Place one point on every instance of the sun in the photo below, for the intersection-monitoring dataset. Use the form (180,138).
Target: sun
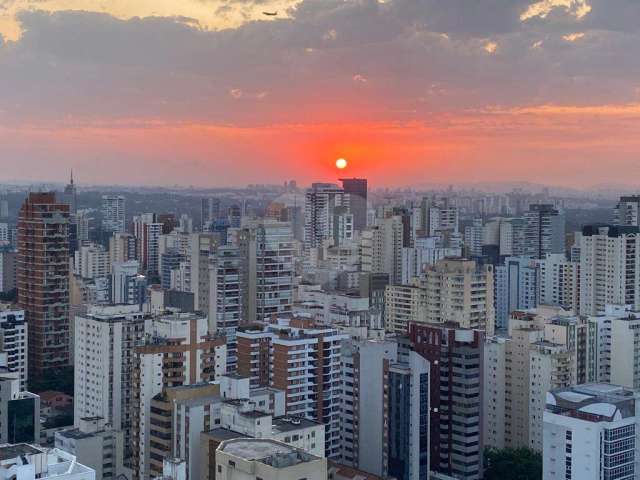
(341,163)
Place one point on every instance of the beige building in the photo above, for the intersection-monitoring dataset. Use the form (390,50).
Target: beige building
(520,369)
(403,304)
(460,291)
(253,459)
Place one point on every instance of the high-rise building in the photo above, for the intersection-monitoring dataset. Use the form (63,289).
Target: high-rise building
(609,268)
(544,230)
(373,286)
(512,236)
(7,270)
(105,338)
(178,415)
(627,211)
(202,247)
(19,411)
(177,351)
(519,370)
(127,284)
(170,260)
(356,188)
(83,220)
(147,231)
(13,341)
(122,248)
(365,413)
(403,304)
(92,261)
(43,280)
(113,214)
(303,360)
(474,238)
(266,247)
(591,432)
(559,282)
(425,251)
(209,211)
(226,309)
(516,287)
(408,432)
(455,356)
(70,195)
(320,202)
(460,292)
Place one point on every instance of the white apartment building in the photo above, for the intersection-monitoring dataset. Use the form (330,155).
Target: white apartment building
(609,268)
(559,282)
(105,338)
(590,433)
(267,250)
(113,213)
(321,202)
(332,307)
(92,261)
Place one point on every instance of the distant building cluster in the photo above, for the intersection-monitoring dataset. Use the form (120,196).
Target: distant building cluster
(330,334)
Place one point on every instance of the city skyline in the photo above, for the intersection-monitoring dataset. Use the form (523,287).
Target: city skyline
(217,93)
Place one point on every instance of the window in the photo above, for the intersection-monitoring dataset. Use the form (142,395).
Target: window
(232,464)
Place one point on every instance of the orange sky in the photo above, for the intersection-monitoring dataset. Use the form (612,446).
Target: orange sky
(411,93)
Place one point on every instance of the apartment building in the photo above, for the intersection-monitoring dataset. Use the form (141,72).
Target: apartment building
(302,359)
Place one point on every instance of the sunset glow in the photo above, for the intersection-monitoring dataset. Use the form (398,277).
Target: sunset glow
(180,91)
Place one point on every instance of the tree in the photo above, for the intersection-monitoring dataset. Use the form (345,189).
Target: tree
(512,464)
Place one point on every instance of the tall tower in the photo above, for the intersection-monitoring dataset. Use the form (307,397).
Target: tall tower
(113,213)
(71,195)
(356,188)
(544,231)
(43,280)
(320,202)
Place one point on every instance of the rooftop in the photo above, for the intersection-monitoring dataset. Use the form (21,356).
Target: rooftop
(595,402)
(269,452)
(8,452)
(289,423)
(222,434)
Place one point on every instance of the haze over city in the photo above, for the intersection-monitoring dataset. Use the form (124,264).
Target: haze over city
(215,92)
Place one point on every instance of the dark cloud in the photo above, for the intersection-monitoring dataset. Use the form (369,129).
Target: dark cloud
(417,56)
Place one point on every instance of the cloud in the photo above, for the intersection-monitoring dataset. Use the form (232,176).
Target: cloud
(572,37)
(490,47)
(425,61)
(542,8)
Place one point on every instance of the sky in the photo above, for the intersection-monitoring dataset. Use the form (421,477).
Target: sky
(410,92)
